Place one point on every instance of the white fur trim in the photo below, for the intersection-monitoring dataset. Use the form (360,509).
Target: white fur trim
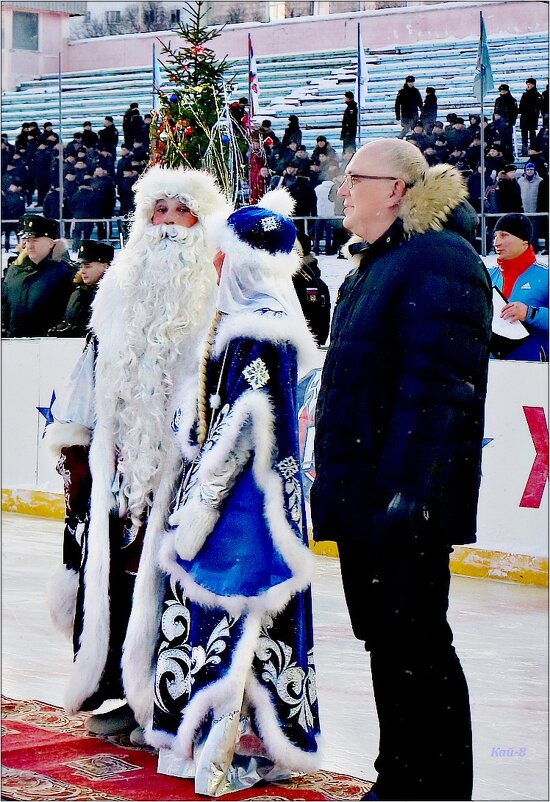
(226,240)
(281,750)
(138,658)
(270,328)
(198,189)
(60,435)
(188,414)
(227,692)
(355,259)
(194,521)
(254,407)
(279,201)
(90,659)
(62,590)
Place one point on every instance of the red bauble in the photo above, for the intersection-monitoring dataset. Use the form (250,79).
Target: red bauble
(188,131)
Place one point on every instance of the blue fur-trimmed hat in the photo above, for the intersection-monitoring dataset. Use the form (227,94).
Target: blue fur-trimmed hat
(263,228)
(263,233)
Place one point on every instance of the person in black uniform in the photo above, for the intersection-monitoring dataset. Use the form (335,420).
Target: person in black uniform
(94,259)
(35,291)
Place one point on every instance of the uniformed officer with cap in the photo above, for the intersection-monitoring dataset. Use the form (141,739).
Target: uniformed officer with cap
(35,290)
(94,258)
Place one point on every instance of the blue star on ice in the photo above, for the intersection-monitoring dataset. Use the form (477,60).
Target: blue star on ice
(47,411)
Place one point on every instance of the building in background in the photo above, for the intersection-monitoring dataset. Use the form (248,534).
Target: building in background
(33,34)
(108,17)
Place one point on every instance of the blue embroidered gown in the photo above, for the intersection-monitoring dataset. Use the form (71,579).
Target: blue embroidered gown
(235,693)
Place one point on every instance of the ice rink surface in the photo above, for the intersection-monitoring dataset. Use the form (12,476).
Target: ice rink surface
(500,634)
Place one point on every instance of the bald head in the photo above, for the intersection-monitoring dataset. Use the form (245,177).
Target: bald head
(380,173)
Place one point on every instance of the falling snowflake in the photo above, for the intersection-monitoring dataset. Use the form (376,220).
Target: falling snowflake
(288,467)
(270,223)
(256,374)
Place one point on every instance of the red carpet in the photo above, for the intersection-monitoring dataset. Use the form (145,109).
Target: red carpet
(47,755)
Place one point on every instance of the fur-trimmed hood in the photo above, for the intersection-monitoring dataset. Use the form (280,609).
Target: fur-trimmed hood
(428,205)
(196,188)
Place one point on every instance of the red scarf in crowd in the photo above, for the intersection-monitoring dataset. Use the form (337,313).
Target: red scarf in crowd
(511,269)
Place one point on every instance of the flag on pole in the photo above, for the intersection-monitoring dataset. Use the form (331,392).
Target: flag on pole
(483,76)
(361,80)
(156,80)
(362,71)
(253,85)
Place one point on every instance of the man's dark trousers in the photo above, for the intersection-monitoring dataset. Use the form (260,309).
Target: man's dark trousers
(397,596)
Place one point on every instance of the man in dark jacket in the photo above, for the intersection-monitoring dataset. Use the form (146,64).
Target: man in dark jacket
(399,428)
(108,136)
(408,105)
(507,192)
(349,125)
(127,127)
(506,105)
(529,108)
(94,258)
(35,292)
(89,137)
(85,205)
(13,207)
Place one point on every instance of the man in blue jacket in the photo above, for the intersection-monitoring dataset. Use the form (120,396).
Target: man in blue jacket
(399,428)
(524,283)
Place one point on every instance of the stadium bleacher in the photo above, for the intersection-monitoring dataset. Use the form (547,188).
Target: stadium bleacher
(310,85)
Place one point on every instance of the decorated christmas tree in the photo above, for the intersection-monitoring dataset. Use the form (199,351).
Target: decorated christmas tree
(193,127)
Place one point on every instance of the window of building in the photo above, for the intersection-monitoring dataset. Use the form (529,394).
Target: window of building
(321,7)
(277,10)
(113,17)
(175,16)
(149,16)
(25,31)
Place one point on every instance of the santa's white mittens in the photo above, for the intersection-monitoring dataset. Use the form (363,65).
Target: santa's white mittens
(194,521)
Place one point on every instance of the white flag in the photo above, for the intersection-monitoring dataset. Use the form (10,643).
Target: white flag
(362,72)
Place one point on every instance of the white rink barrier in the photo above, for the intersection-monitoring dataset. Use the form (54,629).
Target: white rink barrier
(513,509)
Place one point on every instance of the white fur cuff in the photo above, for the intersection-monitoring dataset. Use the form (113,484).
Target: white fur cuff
(195,521)
(62,592)
(61,435)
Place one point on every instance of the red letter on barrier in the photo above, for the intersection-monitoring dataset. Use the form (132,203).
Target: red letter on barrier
(536,421)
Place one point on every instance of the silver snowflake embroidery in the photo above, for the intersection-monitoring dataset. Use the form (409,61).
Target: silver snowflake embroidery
(288,467)
(256,374)
(270,223)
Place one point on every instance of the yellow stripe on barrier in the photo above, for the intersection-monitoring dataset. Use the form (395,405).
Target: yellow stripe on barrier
(465,560)
(469,561)
(33,502)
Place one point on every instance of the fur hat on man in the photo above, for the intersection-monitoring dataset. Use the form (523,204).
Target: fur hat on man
(196,189)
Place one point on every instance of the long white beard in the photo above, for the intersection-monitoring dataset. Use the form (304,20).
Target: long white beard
(168,284)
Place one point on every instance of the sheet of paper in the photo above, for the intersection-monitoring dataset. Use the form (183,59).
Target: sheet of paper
(513,331)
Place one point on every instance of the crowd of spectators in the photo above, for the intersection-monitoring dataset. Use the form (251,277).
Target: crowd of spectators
(97,184)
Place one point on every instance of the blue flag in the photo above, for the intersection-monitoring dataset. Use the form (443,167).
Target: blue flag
(156,80)
(483,76)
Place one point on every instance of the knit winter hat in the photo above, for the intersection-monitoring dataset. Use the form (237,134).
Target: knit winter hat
(261,227)
(530,166)
(516,224)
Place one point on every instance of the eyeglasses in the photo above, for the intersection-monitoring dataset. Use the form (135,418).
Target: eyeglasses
(351,178)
